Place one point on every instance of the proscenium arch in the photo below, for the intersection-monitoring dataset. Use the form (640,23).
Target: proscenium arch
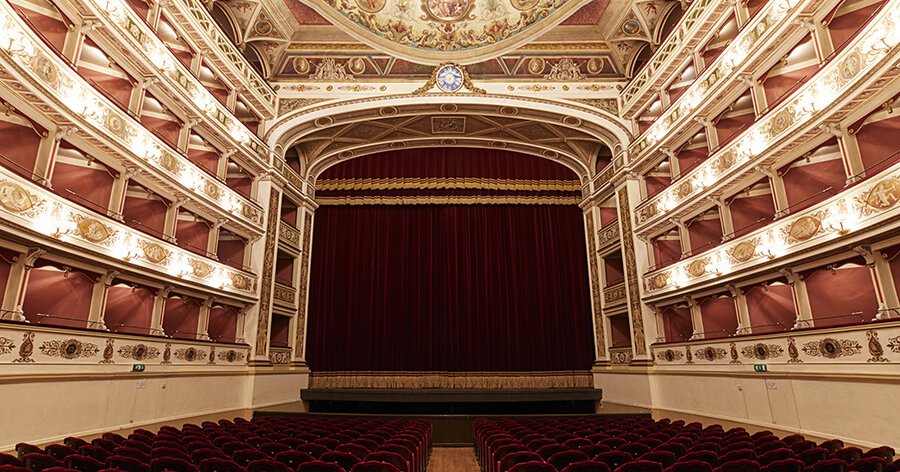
(322,165)
(288,129)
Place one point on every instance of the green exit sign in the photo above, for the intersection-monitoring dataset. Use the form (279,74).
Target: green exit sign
(760,368)
(137,367)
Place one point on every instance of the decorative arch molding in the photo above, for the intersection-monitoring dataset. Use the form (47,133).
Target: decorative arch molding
(599,125)
(570,162)
(424,35)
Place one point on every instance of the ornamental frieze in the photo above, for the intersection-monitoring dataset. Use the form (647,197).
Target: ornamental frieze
(231,356)
(279,356)
(711,353)
(16,199)
(762,351)
(69,349)
(284,293)
(139,352)
(832,348)
(670,355)
(875,349)
(608,234)
(620,356)
(803,228)
(92,230)
(882,196)
(190,354)
(6,345)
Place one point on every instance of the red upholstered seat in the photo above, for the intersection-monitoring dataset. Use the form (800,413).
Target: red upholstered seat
(128,464)
(126,451)
(832,444)
(9,459)
(690,466)
(94,451)
(25,448)
(343,459)
(562,459)
(614,459)
(170,452)
(830,465)
(848,454)
(319,466)
(785,465)
(13,468)
(37,461)
(586,466)
(739,465)
(215,464)
(391,458)
(74,442)
(812,456)
(736,455)
(171,464)
(374,466)
(533,466)
(312,449)
(272,448)
(884,452)
(866,464)
(640,466)
(268,465)
(83,463)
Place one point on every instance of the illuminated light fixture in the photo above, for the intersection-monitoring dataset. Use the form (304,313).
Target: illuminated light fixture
(219,278)
(121,248)
(734,56)
(841,219)
(679,277)
(179,266)
(159,58)
(12,40)
(143,146)
(756,143)
(190,178)
(54,221)
(693,98)
(203,101)
(721,264)
(706,177)
(667,202)
(239,133)
(773,245)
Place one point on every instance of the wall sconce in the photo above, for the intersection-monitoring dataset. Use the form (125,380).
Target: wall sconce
(773,245)
(54,221)
(679,277)
(841,219)
(219,278)
(720,263)
(13,40)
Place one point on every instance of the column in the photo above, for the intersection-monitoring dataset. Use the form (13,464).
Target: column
(696,318)
(46,156)
(262,261)
(212,243)
(743,311)
(635,255)
(136,99)
(184,135)
(306,218)
(600,345)
(17,282)
(203,319)
(880,270)
(172,220)
(724,217)
(159,311)
(851,156)
(117,196)
(801,299)
(779,193)
(98,300)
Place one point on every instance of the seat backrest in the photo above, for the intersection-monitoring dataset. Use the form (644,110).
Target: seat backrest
(640,466)
(586,466)
(739,465)
(171,464)
(514,458)
(785,465)
(215,464)
(561,459)
(533,466)
(37,461)
(83,463)
(343,459)
(614,459)
(267,465)
(319,466)
(690,466)
(374,466)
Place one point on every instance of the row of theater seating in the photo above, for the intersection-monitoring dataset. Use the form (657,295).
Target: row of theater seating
(591,444)
(262,445)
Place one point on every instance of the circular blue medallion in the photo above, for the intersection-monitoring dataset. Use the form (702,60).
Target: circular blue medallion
(449,78)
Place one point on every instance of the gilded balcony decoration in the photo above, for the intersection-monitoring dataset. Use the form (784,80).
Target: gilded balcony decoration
(774,17)
(871,203)
(50,345)
(279,355)
(620,355)
(32,62)
(691,27)
(608,234)
(138,39)
(284,295)
(223,53)
(614,295)
(289,235)
(52,216)
(811,103)
(823,346)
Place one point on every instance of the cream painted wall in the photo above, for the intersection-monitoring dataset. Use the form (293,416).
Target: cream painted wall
(624,387)
(859,410)
(44,409)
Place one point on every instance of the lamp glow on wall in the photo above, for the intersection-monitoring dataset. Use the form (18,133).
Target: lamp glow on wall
(820,93)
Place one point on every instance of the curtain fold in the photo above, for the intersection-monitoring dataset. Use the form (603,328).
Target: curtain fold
(456,288)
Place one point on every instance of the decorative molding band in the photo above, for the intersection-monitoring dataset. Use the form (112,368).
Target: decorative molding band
(614,295)
(125,30)
(632,279)
(33,65)
(691,28)
(303,284)
(37,345)
(268,274)
(449,200)
(838,85)
(278,355)
(432,183)
(608,234)
(767,27)
(869,343)
(204,31)
(289,235)
(620,355)
(27,205)
(284,295)
(596,303)
(870,204)
(460,380)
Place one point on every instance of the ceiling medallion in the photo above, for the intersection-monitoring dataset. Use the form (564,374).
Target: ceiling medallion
(449,78)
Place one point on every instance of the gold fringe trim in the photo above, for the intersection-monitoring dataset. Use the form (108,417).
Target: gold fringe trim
(449,200)
(432,183)
(458,380)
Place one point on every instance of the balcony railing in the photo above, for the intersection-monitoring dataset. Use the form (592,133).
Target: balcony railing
(608,235)
(285,295)
(25,204)
(614,295)
(289,235)
(29,61)
(868,204)
(837,87)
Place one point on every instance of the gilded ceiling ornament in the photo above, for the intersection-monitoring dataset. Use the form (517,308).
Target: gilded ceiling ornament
(804,228)
(329,69)
(688,355)
(832,348)
(851,66)
(631,27)
(301,66)
(116,125)
(449,78)
(565,70)
(523,5)
(239,281)
(167,354)
(595,65)
(212,356)
(762,351)
(14,198)
(536,65)
(211,189)
(356,64)
(92,230)
(169,163)
(781,121)
(69,349)
(371,6)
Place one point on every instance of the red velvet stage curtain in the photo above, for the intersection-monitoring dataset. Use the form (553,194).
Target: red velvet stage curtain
(459,288)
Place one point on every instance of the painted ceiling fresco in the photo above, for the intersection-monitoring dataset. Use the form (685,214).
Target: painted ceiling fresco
(435,31)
